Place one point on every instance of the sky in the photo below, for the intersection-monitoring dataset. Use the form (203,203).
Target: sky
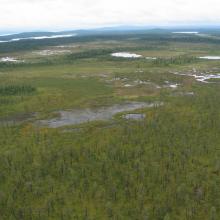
(75,14)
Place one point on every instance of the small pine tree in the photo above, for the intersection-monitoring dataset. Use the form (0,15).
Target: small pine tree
(213,215)
(167,217)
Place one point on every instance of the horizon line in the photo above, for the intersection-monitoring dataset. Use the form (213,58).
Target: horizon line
(123,27)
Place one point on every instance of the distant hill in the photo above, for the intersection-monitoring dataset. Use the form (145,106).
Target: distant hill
(110,30)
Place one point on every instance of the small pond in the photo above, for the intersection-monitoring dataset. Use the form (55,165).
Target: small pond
(79,116)
(134,116)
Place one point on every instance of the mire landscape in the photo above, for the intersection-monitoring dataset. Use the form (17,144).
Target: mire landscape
(116,126)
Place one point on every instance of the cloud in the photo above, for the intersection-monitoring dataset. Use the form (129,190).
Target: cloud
(63,14)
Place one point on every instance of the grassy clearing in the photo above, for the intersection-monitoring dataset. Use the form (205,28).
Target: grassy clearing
(57,93)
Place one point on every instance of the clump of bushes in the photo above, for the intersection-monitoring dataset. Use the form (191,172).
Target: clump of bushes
(175,61)
(16,90)
(89,54)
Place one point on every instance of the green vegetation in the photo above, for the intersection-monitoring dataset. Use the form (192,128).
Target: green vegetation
(164,167)
(16,90)
(175,61)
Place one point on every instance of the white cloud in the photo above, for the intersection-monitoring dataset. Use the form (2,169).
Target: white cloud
(61,14)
